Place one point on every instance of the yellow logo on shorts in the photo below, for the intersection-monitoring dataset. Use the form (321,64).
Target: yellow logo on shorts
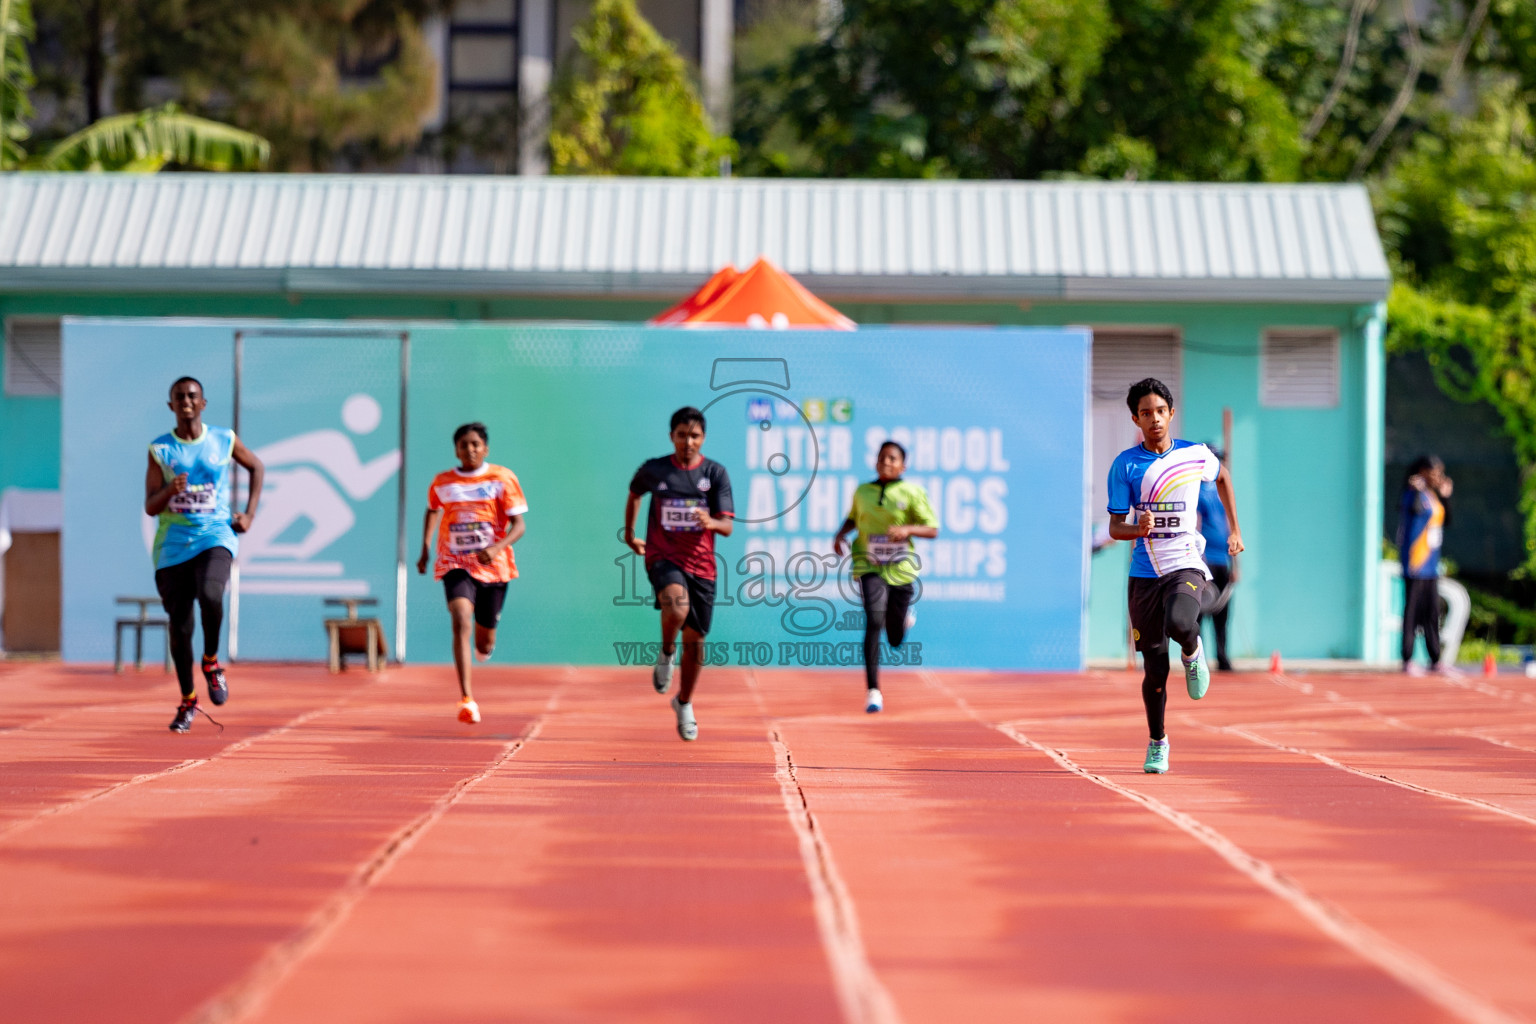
(1190,585)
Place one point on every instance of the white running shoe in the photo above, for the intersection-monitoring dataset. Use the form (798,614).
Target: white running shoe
(661,672)
(911,619)
(484,657)
(687,725)
(469,712)
(874,700)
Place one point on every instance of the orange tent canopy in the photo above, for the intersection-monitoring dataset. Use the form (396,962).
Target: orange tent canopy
(761,296)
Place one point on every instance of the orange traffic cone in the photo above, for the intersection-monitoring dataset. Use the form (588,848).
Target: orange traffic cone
(1490,667)
(1274,663)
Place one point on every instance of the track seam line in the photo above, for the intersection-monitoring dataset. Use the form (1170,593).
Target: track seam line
(23,824)
(1408,968)
(1370,711)
(1374,776)
(117,705)
(250,995)
(862,997)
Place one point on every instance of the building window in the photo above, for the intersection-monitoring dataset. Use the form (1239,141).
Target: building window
(482,49)
(1121,357)
(1299,368)
(32,364)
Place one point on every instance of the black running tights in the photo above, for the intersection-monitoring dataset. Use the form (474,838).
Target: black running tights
(1154,690)
(1421,610)
(1181,622)
(200,581)
(885,609)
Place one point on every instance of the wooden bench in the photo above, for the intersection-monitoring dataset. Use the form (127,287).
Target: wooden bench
(353,635)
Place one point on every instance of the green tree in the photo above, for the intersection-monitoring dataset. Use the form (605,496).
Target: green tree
(624,103)
(144,141)
(773,30)
(149,140)
(1458,213)
(1029,88)
(329,82)
(15,80)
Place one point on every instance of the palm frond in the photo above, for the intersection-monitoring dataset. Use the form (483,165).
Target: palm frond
(147,140)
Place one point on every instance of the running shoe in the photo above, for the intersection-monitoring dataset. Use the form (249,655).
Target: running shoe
(874,700)
(687,726)
(1157,757)
(909,621)
(213,675)
(1414,669)
(486,656)
(469,712)
(184,712)
(661,672)
(1197,674)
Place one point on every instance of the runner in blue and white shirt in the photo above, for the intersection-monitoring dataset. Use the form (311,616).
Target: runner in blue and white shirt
(1160,480)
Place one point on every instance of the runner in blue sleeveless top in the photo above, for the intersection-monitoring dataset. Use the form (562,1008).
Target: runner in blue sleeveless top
(187,488)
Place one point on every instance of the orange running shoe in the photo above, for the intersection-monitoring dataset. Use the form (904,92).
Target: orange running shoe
(469,712)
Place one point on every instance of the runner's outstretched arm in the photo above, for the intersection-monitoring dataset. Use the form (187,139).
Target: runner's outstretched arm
(1229,502)
(1119,529)
(631,508)
(842,535)
(723,525)
(241,521)
(158,491)
(428,531)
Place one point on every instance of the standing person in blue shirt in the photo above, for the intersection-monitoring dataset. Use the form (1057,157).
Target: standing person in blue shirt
(187,487)
(1421,518)
(1223,566)
(1160,479)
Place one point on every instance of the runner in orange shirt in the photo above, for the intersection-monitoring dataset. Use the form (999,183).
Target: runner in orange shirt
(483,506)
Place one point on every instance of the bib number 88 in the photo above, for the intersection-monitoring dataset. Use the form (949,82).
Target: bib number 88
(1165,522)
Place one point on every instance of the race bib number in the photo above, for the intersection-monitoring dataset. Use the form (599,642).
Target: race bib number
(198,500)
(1169,519)
(677,515)
(466,537)
(883,551)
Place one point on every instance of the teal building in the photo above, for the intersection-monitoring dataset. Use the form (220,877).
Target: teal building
(1262,306)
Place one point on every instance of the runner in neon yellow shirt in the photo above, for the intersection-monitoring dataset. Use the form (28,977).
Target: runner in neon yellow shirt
(887,513)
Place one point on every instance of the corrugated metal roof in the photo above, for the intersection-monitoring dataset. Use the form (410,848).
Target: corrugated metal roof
(646,236)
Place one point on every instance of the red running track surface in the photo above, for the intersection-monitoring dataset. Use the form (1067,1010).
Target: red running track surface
(1332,848)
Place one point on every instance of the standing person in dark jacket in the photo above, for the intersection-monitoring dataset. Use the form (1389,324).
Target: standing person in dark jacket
(1421,520)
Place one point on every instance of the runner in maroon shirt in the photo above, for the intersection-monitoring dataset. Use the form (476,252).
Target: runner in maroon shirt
(690,503)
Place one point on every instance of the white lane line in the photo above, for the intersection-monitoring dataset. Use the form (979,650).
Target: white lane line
(1369,710)
(1262,741)
(1409,969)
(1475,735)
(863,997)
(249,995)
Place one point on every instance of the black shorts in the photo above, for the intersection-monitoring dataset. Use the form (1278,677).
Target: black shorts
(1148,599)
(701,593)
(486,597)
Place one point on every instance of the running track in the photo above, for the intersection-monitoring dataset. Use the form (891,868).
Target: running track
(1335,848)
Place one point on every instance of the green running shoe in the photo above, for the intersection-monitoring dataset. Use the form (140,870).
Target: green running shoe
(1197,674)
(1157,757)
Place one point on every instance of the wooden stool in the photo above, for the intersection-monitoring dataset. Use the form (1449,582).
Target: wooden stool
(139,625)
(353,635)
